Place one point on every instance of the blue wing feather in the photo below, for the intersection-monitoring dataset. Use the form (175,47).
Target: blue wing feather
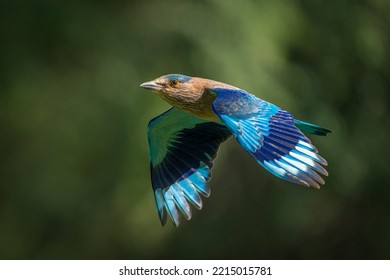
(270,136)
(182,149)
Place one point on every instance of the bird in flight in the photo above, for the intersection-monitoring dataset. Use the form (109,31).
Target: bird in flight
(184,140)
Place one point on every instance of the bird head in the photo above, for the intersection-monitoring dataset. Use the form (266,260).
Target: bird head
(178,90)
(190,94)
(168,83)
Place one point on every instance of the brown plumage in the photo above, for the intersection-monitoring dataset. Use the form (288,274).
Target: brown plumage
(192,96)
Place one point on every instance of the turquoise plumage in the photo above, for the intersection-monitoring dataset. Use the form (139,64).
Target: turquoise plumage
(184,140)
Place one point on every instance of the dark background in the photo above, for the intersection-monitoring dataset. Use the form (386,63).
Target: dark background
(74,171)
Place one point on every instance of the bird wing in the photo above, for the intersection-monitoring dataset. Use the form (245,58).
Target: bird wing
(182,149)
(269,135)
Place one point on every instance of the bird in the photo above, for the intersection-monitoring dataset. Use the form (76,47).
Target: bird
(184,140)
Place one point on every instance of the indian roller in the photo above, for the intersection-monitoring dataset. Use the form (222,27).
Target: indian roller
(184,140)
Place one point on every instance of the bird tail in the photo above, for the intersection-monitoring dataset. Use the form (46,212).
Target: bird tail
(311,128)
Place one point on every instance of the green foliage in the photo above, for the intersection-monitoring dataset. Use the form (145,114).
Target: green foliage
(74,174)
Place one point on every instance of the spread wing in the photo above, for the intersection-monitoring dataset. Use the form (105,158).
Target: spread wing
(182,150)
(269,135)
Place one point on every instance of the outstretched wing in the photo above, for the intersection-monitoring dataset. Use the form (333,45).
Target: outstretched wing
(269,135)
(182,150)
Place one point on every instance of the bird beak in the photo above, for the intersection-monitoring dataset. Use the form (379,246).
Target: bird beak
(152,85)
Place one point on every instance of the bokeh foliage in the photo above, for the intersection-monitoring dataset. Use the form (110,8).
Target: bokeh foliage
(74,171)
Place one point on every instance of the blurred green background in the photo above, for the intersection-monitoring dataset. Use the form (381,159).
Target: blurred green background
(74,174)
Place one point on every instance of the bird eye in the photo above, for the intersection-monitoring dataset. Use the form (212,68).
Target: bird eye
(174,83)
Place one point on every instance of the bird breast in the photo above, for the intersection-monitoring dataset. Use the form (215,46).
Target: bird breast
(196,102)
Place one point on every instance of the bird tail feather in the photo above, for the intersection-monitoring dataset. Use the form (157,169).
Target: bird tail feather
(311,128)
